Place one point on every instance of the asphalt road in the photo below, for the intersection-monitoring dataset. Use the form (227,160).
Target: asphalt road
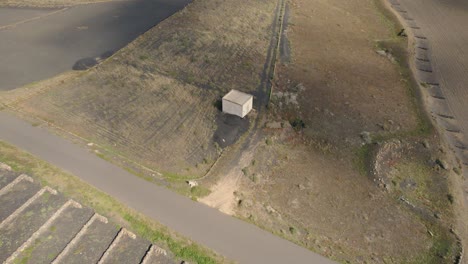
(53,43)
(445,24)
(441,57)
(233,238)
(10,16)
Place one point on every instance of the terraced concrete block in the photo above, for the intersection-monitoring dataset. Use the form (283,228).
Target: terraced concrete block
(16,196)
(93,244)
(441,108)
(157,255)
(457,141)
(427,78)
(419,34)
(448,124)
(422,55)
(127,250)
(411,23)
(24,225)
(422,44)
(423,66)
(6,177)
(463,155)
(435,91)
(50,243)
(399,9)
(407,17)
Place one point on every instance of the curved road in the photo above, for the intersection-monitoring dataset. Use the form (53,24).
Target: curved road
(231,237)
(37,44)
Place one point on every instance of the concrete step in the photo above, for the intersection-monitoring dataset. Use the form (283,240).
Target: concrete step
(91,243)
(48,245)
(26,220)
(126,248)
(6,177)
(15,194)
(38,225)
(157,255)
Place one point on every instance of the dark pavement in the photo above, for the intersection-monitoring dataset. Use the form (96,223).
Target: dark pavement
(46,46)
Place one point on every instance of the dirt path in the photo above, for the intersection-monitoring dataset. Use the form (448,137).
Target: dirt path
(222,196)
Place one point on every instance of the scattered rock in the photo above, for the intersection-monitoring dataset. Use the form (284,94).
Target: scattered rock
(192,183)
(270,209)
(381,52)
(90,144)
(301,187)
(425,143)
(274,125)
(387,54)
(3,166)
(443,164)
(299,88)
(85,64)
(366,137)
(365,217)
(402,33)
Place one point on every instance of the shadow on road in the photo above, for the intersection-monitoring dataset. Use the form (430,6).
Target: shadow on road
(56,43)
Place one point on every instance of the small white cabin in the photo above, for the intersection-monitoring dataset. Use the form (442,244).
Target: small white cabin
(237,103)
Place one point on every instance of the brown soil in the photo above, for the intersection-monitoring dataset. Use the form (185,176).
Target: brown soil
(155,101)
(320,183)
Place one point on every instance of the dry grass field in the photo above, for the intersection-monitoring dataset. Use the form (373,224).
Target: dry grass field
(156,100)
(344,162)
